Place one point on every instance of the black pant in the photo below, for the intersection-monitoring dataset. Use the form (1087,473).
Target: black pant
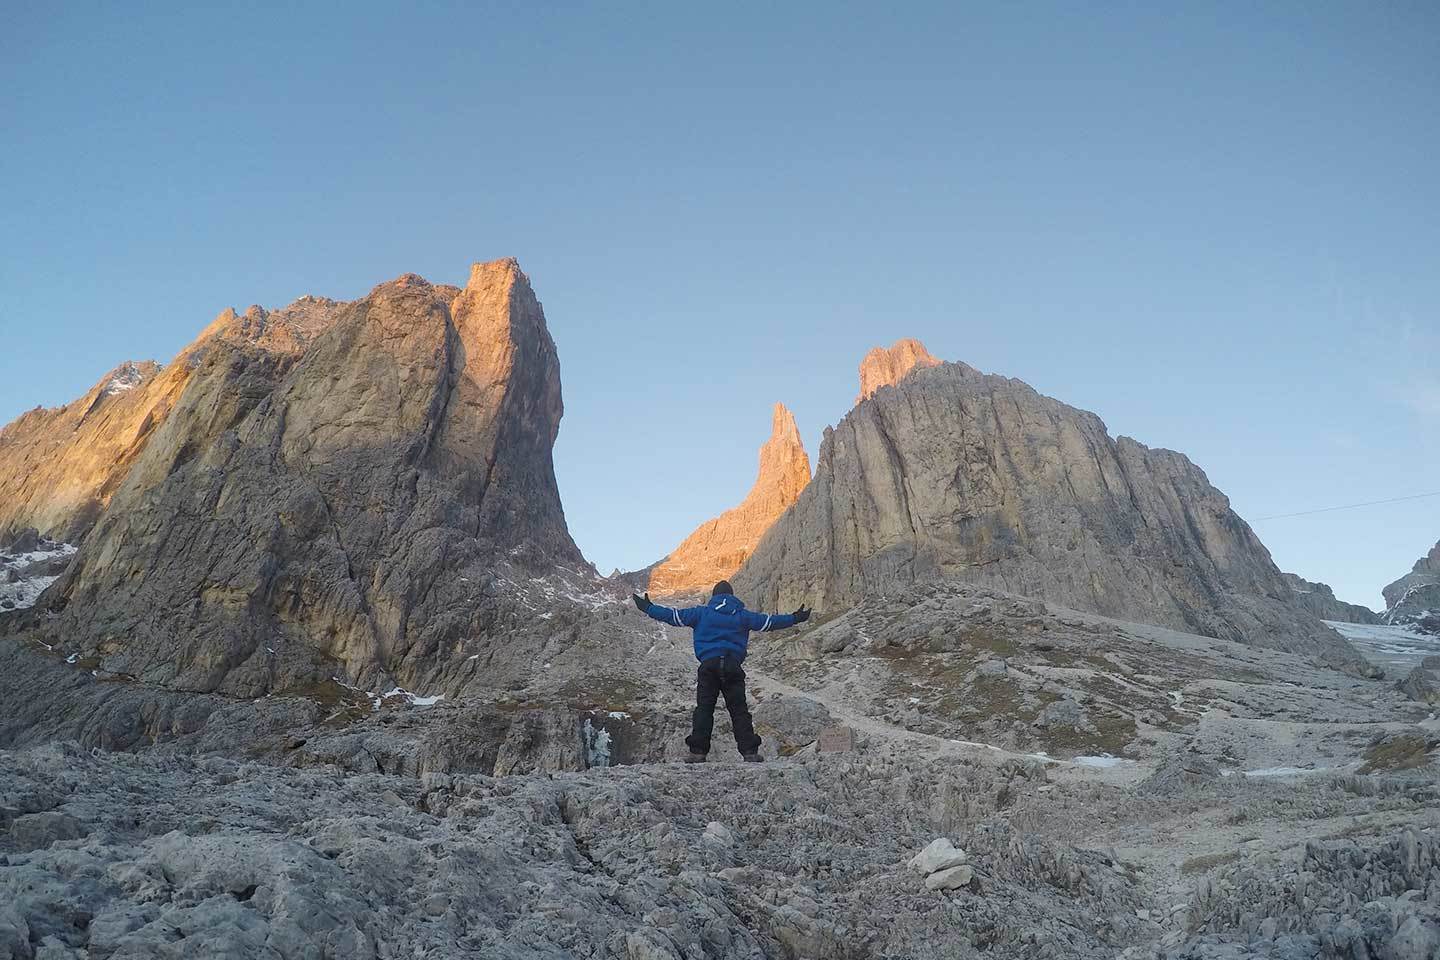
(716,676)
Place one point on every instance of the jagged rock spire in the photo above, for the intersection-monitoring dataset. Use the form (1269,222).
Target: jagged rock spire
(886,366)
(718,547)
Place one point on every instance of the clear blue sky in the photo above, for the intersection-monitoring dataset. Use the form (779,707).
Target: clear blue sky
(1217,226)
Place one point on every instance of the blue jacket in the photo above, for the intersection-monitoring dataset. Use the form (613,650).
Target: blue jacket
(721,626)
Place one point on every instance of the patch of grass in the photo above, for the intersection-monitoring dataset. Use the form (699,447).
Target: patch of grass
(1402,752)
(1208,862)
(342,705)
(602,693)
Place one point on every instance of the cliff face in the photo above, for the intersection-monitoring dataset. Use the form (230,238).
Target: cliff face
(60,468)
(887,366)
(350,509)
(1414,599)
(1319,599)
(718,547)
(956,475)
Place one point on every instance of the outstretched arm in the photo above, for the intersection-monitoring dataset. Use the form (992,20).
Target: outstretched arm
(765,622)
(676,617)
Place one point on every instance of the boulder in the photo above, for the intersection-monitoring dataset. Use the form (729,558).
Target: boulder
(951,879)
(940,854)
(37,831)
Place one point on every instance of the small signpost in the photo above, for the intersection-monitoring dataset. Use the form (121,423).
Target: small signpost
(836,739)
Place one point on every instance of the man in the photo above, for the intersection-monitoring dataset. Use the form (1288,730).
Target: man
(722,635)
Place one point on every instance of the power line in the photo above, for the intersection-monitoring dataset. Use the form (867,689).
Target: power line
(1348,506)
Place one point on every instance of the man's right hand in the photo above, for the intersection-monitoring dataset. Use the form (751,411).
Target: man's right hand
(802,614)
(642,602)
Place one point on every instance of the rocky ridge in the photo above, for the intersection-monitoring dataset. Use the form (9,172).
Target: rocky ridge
(1320,600)
(365,508)
(60,468)
(1414,599)
(887,366)
(958,475)
(717,548)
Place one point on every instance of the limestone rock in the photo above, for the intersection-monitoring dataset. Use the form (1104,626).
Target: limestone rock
(1414,599)
(886,366)
(939,854)
(1319,599)
(60,468)
(352,511)
(952,474)
(716,549)
(1062,714)
(1422,684)
(37,831)
(951,879)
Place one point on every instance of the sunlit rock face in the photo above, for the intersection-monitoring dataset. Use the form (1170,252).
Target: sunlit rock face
(357,495)
(59,468)
(952,474)
(886,366)
(718,547)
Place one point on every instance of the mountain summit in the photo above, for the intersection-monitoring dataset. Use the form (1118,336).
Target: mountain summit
(1414,599)
(347,510)
(717,548)
(952,474)
(886,366)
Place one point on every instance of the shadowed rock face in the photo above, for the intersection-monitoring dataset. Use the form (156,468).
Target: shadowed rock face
(350,509)
(1319,599)
(886,366)
(717,548)
(60,468)
(953,474)
(1414,599)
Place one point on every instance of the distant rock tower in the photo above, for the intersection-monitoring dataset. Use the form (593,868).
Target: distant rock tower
(718,547)
(886,366)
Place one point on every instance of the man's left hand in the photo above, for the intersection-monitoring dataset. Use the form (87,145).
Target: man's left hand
(802,614)
(642,602)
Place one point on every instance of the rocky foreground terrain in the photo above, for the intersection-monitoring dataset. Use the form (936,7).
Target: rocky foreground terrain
(300,661)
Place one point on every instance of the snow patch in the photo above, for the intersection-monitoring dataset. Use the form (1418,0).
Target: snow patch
(27,586)
(1102,761)
(415,700)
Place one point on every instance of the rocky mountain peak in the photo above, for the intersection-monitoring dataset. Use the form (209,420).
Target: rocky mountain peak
(1320,599)
(784,465)
(967,477)
(127,376)
(335,489)
(1414,599)
(886,366)
(718,547)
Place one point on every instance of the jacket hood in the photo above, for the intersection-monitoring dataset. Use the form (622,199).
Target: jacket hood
(726,603)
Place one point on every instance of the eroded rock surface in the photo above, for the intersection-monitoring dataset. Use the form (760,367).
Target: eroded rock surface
(1414,599)
(717,548)
(957,475)
(887,366)
(1318,599)
(361,509)
(60,468)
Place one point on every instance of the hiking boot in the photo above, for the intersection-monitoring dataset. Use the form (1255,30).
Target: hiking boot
(752,758)
(695,758)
